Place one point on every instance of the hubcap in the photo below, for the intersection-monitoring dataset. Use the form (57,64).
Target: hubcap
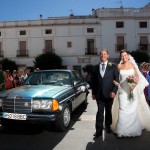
(66,117)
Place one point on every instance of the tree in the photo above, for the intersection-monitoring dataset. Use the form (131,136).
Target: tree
(9,64)
(88,68)
(140,56)
(48,61)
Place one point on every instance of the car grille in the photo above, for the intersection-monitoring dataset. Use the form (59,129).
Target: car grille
(17,105)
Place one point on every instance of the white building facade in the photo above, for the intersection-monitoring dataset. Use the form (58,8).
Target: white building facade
(77,39)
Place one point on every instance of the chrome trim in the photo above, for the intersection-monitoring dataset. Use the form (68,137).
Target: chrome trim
(67,98)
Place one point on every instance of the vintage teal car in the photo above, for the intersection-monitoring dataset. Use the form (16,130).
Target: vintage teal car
(46,96)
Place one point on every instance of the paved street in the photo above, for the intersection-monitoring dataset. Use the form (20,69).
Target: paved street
(79,136)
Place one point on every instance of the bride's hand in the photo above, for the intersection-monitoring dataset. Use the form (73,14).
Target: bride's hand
(116,83)
(132,88)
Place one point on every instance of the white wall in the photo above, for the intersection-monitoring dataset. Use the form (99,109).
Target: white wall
(73,30)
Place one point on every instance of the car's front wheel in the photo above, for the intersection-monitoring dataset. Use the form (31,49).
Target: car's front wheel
(63,122)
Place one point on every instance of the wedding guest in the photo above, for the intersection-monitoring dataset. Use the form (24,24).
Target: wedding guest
(21,77)
(24,75)
(2,79)
(9,80)
(148,88)
(145,72)
(16,78)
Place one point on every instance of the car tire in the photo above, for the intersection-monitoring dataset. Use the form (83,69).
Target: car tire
(63,122)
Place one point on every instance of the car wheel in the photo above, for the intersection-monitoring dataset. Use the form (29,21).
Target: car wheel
(63,122)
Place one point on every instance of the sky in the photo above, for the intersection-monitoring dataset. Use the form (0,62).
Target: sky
(17,10)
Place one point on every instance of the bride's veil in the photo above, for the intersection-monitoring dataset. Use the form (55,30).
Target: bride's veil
(142,81)
(143,108)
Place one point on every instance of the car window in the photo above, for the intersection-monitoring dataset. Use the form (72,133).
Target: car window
(50,77)
(75,77)
(79,76)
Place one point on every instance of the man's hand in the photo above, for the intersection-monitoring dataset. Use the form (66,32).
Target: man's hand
(112,94)
(116,83)
(93,97)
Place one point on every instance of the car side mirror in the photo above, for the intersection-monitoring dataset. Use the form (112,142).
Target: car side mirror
(75,82)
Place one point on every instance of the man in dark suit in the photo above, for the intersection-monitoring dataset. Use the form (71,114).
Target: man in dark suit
(104,91)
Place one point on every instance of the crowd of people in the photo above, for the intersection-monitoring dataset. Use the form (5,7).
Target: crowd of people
(12,79)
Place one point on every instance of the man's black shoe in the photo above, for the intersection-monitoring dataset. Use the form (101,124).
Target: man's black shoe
(98,135)
(108,130)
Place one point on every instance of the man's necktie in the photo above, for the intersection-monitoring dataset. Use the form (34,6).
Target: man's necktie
(103,67)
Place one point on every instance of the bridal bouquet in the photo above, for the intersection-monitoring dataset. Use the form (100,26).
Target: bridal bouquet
(132,81)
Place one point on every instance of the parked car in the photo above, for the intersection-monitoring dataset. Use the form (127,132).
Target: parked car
(46,96)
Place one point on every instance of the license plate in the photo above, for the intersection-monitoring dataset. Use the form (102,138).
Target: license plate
(14,116)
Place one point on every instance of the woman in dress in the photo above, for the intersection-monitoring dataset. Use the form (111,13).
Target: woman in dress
(9,80)
(131,113)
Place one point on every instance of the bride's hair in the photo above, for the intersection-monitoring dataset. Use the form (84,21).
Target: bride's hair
(124,51)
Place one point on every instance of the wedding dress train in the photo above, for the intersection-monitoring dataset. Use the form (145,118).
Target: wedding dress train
(130,116)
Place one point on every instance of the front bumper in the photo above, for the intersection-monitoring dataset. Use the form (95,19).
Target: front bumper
(36,117)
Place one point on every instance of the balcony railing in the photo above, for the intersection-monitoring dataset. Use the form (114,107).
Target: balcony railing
(48,51)
(90,51)
(1,54)
(22,53)
(119,47)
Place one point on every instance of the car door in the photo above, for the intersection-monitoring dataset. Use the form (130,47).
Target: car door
(79,87)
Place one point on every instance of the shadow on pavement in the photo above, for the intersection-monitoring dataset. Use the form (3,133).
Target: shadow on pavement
(111,142)
(34,137)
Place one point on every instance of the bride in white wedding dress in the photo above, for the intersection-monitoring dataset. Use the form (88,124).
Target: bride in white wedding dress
(130,115)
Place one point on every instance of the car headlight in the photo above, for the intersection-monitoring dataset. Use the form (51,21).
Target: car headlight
(47,105)
(41,104)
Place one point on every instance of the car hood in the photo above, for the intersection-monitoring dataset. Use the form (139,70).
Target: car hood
(32,91)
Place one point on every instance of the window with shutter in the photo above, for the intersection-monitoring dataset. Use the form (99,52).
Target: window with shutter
(120,43)
(143,45)
(48,46)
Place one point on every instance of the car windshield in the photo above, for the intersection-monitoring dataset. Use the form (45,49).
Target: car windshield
(49,77)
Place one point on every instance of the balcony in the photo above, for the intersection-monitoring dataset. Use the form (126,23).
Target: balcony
(1,53)
(90,51)
(48,51)
(119,47)
(22,53)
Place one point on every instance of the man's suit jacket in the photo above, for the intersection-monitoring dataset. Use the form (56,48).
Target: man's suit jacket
(103,86)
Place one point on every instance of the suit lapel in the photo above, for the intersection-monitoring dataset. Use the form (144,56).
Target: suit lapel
(98,70)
